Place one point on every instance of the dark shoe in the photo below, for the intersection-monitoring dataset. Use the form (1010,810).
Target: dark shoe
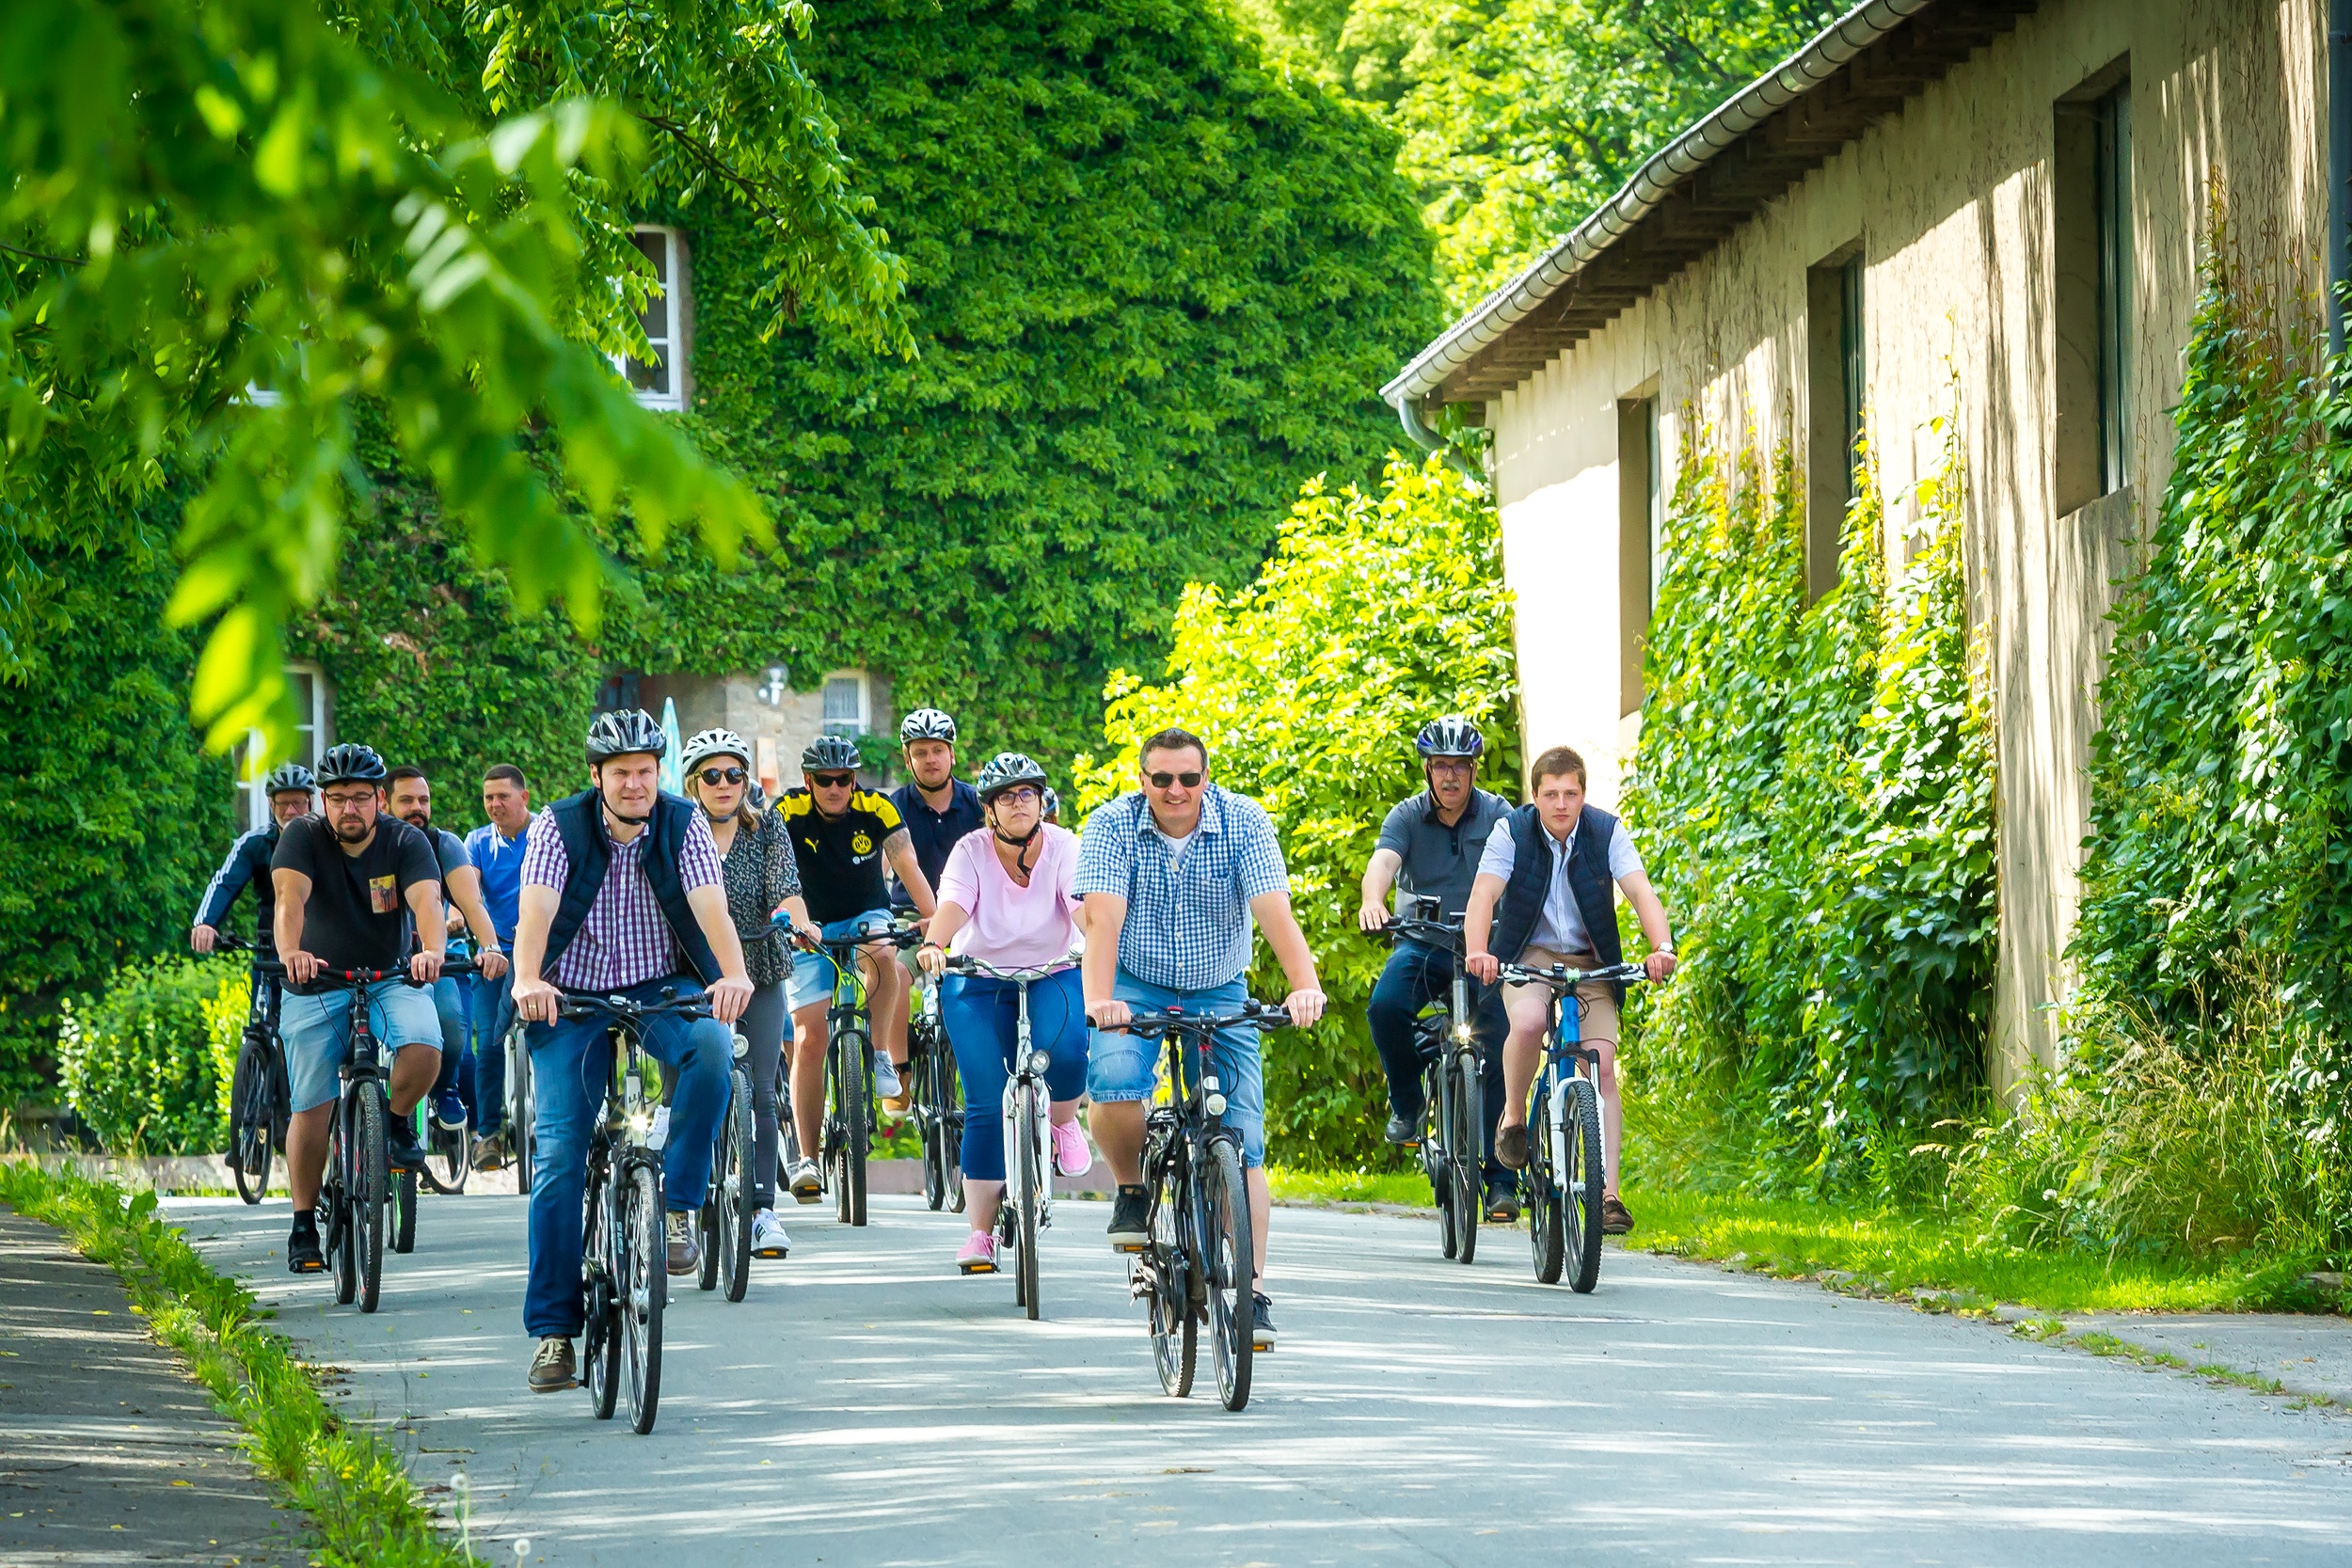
(552,1369)
(302,1246)
(1131,1215)
(489,1151)
(448,1109)
(1615,1218)
(401,1151)
(1511,1147)
(1502,1203)
(686,1254)
(1262,1334)
(1404,1133)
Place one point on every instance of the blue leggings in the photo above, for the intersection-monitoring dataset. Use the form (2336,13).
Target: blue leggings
(982,1016)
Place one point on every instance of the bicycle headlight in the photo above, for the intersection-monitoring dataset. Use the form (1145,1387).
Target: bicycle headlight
(1215,1104)
(640,1124)
(1462,1032)
(1039,1062)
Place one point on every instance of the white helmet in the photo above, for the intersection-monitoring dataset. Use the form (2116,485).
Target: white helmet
(925,723)
(713,743)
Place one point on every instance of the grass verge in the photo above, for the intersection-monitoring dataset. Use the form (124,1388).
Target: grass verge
(1408,1189)
(351,1483)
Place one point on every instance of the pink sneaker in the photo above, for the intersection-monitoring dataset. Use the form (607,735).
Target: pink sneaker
(1071,1157)
(979,1253)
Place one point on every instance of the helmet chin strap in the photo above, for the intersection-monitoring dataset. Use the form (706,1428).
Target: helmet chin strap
(1021,843)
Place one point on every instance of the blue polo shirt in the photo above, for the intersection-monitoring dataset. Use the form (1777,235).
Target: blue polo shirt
(934,833)
(499,860)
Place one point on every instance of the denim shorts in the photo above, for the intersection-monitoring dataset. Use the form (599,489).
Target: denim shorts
(812,973)
(1124,1067)
(316,1032)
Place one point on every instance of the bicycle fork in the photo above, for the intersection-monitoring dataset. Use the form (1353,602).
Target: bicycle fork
(1030,1066)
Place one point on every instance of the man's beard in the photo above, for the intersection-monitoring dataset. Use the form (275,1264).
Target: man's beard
(352,835)
(422,822)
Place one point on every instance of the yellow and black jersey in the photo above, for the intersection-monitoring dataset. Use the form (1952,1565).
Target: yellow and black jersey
(842,872)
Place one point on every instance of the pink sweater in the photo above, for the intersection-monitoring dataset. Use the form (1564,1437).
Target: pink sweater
(1013,927)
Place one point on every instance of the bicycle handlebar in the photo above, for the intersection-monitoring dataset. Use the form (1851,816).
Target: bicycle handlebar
(589,1003)
(962,963)
(1560,977)
(1437,933)
(350,979)
(1175,1020)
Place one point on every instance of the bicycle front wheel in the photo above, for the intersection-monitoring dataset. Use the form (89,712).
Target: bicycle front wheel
(1032,1199)
(1540,1188)
(600,1338)
(1230,1273)
(371,1180)
(520,1108)
(1583,1176)
(851,1061)
(1463,1150)
(1175,1328)
(733,1177)
(403,1204)
(644,1291)
(334,1210)
(249,1107)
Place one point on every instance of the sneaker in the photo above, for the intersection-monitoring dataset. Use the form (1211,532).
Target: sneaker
(1262,1334)
(1131,1214)
(448,1109)
(1615,1218)
(806,1181)
(1404,1133)
(552,1369)
(1502,1202)
(686,1255)
(401,1151)
(979,1253)
(302,1246)
(1071,1157)
(768,1237)
(886,1083)
(489,1151)
(1511,1147)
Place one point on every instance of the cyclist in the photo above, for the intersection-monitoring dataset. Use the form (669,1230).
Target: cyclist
(1435,839)
(288,787)
(1172,876)
(461,886)
(496,849)
(1053,809)
(1006,899)
(842,836)
(1541,897)
(762,875)
(622,893)
(352,886)
(938,809)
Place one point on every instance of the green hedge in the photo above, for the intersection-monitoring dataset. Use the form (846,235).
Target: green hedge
(146,1065)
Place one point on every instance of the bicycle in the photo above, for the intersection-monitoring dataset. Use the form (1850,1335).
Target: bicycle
(1451,1142)
(260,1102)
(450,1147)
(1566,1172)
(1027,1109)
(938,1105)
(849,1128)
(727,1211)
(624,1259)
(1199,1258)
(520,1116)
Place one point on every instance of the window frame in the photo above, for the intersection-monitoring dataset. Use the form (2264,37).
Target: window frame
(673,302)
(257,803)
(864,685)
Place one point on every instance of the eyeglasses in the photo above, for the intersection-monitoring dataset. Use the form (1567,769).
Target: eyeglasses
(832,781)
(1017,795)
(723,775)
(1191,779)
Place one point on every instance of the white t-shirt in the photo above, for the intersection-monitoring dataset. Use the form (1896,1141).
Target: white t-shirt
(1560,925)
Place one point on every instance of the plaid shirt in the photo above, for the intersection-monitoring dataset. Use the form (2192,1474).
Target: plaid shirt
(1187,922)
(624,940)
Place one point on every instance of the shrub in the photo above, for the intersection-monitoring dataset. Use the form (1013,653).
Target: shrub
(147,1064)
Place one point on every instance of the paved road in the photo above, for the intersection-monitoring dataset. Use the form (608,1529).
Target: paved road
(866,1406)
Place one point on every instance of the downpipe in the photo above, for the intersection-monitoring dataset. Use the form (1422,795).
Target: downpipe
(2338,168)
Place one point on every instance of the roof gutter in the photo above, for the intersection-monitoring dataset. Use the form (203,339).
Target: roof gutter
(1828,52)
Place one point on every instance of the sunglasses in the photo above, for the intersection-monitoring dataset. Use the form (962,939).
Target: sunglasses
(1191,779)
(723,775)
(832,781)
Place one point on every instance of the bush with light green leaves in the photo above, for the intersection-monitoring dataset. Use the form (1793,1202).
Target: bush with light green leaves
(146,1064)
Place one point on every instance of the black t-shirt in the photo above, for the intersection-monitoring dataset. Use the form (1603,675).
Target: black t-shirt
(841,861)
(356,916)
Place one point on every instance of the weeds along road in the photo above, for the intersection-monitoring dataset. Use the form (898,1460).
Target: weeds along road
(867,1405)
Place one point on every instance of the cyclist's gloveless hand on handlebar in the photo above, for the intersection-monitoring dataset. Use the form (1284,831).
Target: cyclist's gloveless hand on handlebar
(1373,916)
(491,964)
(424,967)
(302,968)
(728,996)
(534,1000)
(932,960)
(1483,967)
(1109,1013)
(1304,1007)
(1658,964)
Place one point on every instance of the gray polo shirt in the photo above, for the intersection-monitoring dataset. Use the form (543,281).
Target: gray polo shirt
(1440,862)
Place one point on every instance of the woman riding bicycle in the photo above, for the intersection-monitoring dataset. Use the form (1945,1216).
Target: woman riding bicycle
(1005,899)
(762,875)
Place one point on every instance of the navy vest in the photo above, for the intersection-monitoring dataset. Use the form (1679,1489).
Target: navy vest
(589,846)
(1523,895)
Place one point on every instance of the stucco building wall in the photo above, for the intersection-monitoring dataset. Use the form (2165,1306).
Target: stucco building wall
(1951,201)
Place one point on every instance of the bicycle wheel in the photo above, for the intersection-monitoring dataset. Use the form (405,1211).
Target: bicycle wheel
(1230,1273)
(851,1061)
(521,1118)
(600,1327)
(370,1189)
(924,1049)
(644,1289)
(335,1210)
(1032,1199)
(1175,1331)
(733,1181)
(1462,1145)
(250,1103)
(1583,1176)
(1538,1185)
(403,1211)
(1435,1162)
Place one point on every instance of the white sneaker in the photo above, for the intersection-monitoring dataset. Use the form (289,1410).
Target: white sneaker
(807,1182)
(885,1076)
(768,1237)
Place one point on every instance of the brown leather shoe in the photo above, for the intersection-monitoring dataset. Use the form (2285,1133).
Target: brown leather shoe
(686,1254)
(1615,1218)
(552,1369)
(1511,1147)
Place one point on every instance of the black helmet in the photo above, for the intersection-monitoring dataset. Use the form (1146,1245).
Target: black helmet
(1449,737)
(349,763)
(830,753)
(624,731)
(925,723)
(287,777)
(1006,769)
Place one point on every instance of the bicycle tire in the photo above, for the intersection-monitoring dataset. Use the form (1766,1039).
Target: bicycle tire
(1435,1164)
(645,1292)
(1032,1197)
(1580,1210)
(334,1220)
(1175,1331)
(600,1359)
(1230,1258)
(251,1108)
(924,1049)
(370,1183)
(1542,1195)
(403,1211)
(852,1059)
(451,1147)
(522,1119)
(1464,1152)
(736,1208)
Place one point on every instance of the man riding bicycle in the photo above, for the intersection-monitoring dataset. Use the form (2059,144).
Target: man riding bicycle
(842,836)
(496,849)
(1435,839)
(288,787)
(622,895)
(938,810)
(1172,874)
(353,885)
(461,887)
(1542,897)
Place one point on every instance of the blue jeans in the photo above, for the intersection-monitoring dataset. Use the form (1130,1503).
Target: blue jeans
(1415,976)
(571,1064)
(983,1019)
(493,1015)
(449,1003)
(1124,1067)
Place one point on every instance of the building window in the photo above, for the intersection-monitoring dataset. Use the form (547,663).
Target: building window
(1838,374)
(1641,535)
(2092,238)
(307,685)
(660,382)
(848,702)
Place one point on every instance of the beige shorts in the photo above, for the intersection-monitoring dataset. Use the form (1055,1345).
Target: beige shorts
(1530,1006)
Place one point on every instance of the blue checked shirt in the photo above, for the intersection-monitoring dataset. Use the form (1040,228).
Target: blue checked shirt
(1187,922)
